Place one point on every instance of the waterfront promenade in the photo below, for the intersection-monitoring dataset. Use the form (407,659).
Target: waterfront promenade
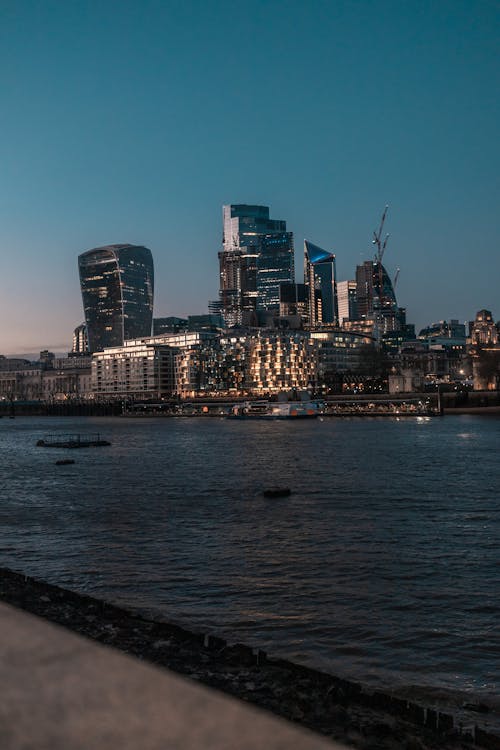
(61,690)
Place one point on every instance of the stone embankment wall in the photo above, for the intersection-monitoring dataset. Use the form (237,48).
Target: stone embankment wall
(338,708)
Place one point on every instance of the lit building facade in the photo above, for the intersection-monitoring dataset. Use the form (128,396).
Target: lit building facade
(279,361)
(340,351)
(483,331)
(346,301)
(61,379)
(80,340)
(485,352)
(320,280)
(256,257)
(136,370)
(117,284)
(444,330)
(234,363)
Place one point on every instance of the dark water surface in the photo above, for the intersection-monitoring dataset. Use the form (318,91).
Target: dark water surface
(383,565)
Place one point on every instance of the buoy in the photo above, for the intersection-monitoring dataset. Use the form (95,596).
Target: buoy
(278,492)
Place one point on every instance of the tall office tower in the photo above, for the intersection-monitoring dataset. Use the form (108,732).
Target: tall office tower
(320,279)
(256,257)
(80,342)
(346,300)
(293,300)
(275,266)
(117,283)
(376,298)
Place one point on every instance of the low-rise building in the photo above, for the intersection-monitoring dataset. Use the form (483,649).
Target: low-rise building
(51,378)
(485,352)
(237,362)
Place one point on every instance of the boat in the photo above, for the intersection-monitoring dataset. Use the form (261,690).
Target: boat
(275,410)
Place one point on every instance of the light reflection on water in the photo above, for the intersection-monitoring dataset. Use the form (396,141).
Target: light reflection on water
(383,565)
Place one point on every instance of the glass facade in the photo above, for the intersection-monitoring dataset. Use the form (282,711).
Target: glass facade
(257,255)
(320,278)
(293,300)
(117,283)
(374,290)
(376,299)
(275,266)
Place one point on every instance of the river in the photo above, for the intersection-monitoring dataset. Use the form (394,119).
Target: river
(383,565)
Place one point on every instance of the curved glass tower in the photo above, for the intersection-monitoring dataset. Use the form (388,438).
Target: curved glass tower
(117,283)
(374,288)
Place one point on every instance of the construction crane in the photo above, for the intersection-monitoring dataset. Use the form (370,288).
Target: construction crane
(377,238)
(380,245)
(396,277)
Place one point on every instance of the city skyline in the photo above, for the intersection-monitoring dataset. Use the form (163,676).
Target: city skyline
(114,131)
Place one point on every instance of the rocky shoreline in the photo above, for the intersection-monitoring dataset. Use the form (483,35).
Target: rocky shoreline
(337,708)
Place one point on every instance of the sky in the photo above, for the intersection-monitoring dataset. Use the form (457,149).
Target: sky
(136,120)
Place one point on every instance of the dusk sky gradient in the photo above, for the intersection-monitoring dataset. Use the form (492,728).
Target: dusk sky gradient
(135,121)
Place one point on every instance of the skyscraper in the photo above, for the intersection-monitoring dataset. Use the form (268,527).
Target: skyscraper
(293,300)
(346,300)
(376,298)
(117,283)
(320,279)
(256,257)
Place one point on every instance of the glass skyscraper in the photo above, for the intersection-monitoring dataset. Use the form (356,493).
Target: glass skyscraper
(117,283)
(374,290)
(256,257)
(320,279)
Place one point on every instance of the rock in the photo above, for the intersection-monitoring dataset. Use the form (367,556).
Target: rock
(413,743)
(480,708)
(160,644)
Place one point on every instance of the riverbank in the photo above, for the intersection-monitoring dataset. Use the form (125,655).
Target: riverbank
(361,404)
(337,708)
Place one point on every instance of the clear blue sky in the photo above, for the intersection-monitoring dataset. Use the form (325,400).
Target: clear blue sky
(134,121)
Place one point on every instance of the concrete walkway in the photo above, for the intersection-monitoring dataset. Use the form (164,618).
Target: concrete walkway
(59,691)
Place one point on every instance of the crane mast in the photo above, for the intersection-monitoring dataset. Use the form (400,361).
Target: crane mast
(381,246)
(377,238)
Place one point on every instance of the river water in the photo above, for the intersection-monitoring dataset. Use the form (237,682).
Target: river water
(383,565)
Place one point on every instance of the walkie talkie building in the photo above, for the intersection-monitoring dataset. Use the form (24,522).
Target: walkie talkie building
(117,283)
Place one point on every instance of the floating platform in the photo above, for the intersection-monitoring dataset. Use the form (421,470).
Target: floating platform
(72,441)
